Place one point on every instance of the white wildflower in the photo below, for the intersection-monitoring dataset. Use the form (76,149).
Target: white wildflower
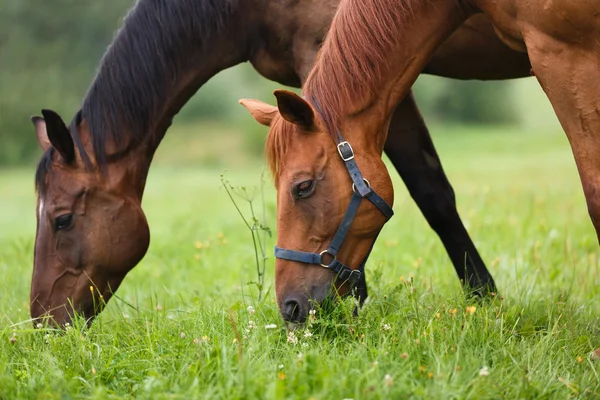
(182,335)
(251,310)
(280,366)
(39,325)
(311,317)
(291,337)
(389,381)
(307,333)
(271,326)
(386,327)
(484,371)
(251,325)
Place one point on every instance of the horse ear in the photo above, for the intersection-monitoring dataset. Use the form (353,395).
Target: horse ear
(40,132)
(58,135)
(295,109)
(263,113)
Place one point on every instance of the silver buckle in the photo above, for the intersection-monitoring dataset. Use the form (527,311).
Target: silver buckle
(366,183)
(326,252)
(339,148)
(353,278)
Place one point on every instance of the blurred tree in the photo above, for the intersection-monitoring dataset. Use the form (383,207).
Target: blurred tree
(48,54)
(466,102)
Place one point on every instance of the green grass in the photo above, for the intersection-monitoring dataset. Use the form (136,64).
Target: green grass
(171,332)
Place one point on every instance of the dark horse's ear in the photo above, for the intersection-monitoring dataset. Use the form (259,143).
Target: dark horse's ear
(295,109)
(58,135)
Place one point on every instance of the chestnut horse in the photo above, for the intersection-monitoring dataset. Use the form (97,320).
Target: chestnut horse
(372,54)
(91,228)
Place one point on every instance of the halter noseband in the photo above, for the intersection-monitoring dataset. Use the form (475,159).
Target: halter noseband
(360,189)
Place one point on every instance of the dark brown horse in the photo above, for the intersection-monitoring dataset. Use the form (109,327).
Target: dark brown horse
(373,53)
(91,229)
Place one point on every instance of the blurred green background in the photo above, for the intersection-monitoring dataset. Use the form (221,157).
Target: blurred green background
(517,190)
(49,52)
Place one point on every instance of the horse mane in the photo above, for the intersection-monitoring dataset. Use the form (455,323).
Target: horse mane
(349,64)
(148,54)
(352,60)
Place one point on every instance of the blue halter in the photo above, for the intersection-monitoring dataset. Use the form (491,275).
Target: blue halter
(361,189)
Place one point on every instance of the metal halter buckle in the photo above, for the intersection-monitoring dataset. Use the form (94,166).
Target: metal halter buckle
(366,182)
(352,274)
(349,156)
(326,252)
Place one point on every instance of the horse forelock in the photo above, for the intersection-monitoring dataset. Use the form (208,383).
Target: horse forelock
(42,170)
(277,145)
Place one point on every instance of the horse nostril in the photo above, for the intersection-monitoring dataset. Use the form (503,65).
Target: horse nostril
(292,311)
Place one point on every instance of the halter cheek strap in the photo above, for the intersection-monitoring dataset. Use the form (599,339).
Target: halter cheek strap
(361,189)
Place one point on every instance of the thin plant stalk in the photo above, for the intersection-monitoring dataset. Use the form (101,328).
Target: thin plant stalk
(255,227)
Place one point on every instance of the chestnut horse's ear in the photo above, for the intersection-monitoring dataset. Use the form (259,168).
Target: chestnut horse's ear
(58,135)
(40,132)
(295,109)
(263,113)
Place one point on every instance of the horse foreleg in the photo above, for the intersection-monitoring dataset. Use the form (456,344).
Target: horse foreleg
(570,77)
(411,150)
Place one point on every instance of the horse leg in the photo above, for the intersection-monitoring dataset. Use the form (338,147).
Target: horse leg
(569,75)
(411,150)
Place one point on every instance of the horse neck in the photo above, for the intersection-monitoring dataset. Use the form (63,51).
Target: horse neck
(228,50)
(420,35)
(217,58)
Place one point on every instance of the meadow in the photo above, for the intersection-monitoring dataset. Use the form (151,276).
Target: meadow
(187,322)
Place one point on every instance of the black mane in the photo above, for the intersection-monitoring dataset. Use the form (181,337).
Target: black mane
(148,54)
(152,49)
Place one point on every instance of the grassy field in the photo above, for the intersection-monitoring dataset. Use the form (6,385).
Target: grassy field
(171,331)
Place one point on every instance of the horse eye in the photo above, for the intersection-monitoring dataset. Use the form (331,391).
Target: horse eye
(304,189)
(63,222)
